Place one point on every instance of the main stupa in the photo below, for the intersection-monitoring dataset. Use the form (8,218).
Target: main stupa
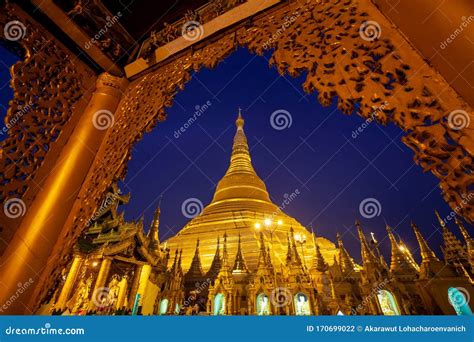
(242,207)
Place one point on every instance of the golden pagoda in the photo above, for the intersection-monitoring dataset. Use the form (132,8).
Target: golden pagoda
(242,255)
(241,206)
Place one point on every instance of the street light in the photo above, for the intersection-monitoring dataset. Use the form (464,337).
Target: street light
(267,222)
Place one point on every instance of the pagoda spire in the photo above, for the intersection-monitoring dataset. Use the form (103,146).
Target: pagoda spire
(319,264)
(173,267)
(269,259)
(464,232)
(469,243)
(195,270)
(440,220)
(225,273)
(453,250)
(225,257)
(153,232)
(216,262)
(262,257)
(240,158)
(430,266)
(346,263)
(239,263)
(400,263)
(368,256)
(292,256)
(179,267)
(240,179)
(427,254)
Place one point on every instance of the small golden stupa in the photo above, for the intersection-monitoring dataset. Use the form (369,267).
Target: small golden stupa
(242,207)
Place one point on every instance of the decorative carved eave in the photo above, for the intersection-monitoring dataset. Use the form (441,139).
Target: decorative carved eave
(123,232)
(202,31)
(152,259)
(117,248)
(324,41)
(106,58)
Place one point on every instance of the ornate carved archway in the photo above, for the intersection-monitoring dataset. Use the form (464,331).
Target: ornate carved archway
(323,39)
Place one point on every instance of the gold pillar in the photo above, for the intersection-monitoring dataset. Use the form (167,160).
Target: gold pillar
(99,289)
(29,250)
(122,293)
(134,287)
(143,281)
(68,283)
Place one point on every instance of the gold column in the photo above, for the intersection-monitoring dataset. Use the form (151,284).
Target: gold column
(143,281)
(70,279)
(134,287)
(122,293)
(99,289)
(30,248)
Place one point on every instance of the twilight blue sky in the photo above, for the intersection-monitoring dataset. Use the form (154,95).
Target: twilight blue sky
(317,155)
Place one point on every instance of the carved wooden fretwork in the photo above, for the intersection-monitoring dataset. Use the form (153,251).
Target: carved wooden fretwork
(322,39)
(47,85)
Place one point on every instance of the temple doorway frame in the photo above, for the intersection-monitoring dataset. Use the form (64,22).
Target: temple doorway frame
(382,79)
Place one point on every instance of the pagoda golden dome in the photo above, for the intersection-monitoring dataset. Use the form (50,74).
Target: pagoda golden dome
(241,206)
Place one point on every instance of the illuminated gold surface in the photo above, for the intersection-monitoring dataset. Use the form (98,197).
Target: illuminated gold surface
(240,201)
(68,284)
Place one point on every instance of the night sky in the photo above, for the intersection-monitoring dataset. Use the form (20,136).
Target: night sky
(317,155)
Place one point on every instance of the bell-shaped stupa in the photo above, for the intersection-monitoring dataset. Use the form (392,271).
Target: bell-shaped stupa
(241,206)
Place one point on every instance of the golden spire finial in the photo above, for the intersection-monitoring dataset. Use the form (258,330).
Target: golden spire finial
(400,259)
(318,261)
(339,239)
(463,230)
(440,220)
(240,179)
(366,253)
(239,263)
(240,120)
(426,253)
(345,260)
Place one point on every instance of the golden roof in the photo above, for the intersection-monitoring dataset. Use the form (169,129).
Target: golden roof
(240,201)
